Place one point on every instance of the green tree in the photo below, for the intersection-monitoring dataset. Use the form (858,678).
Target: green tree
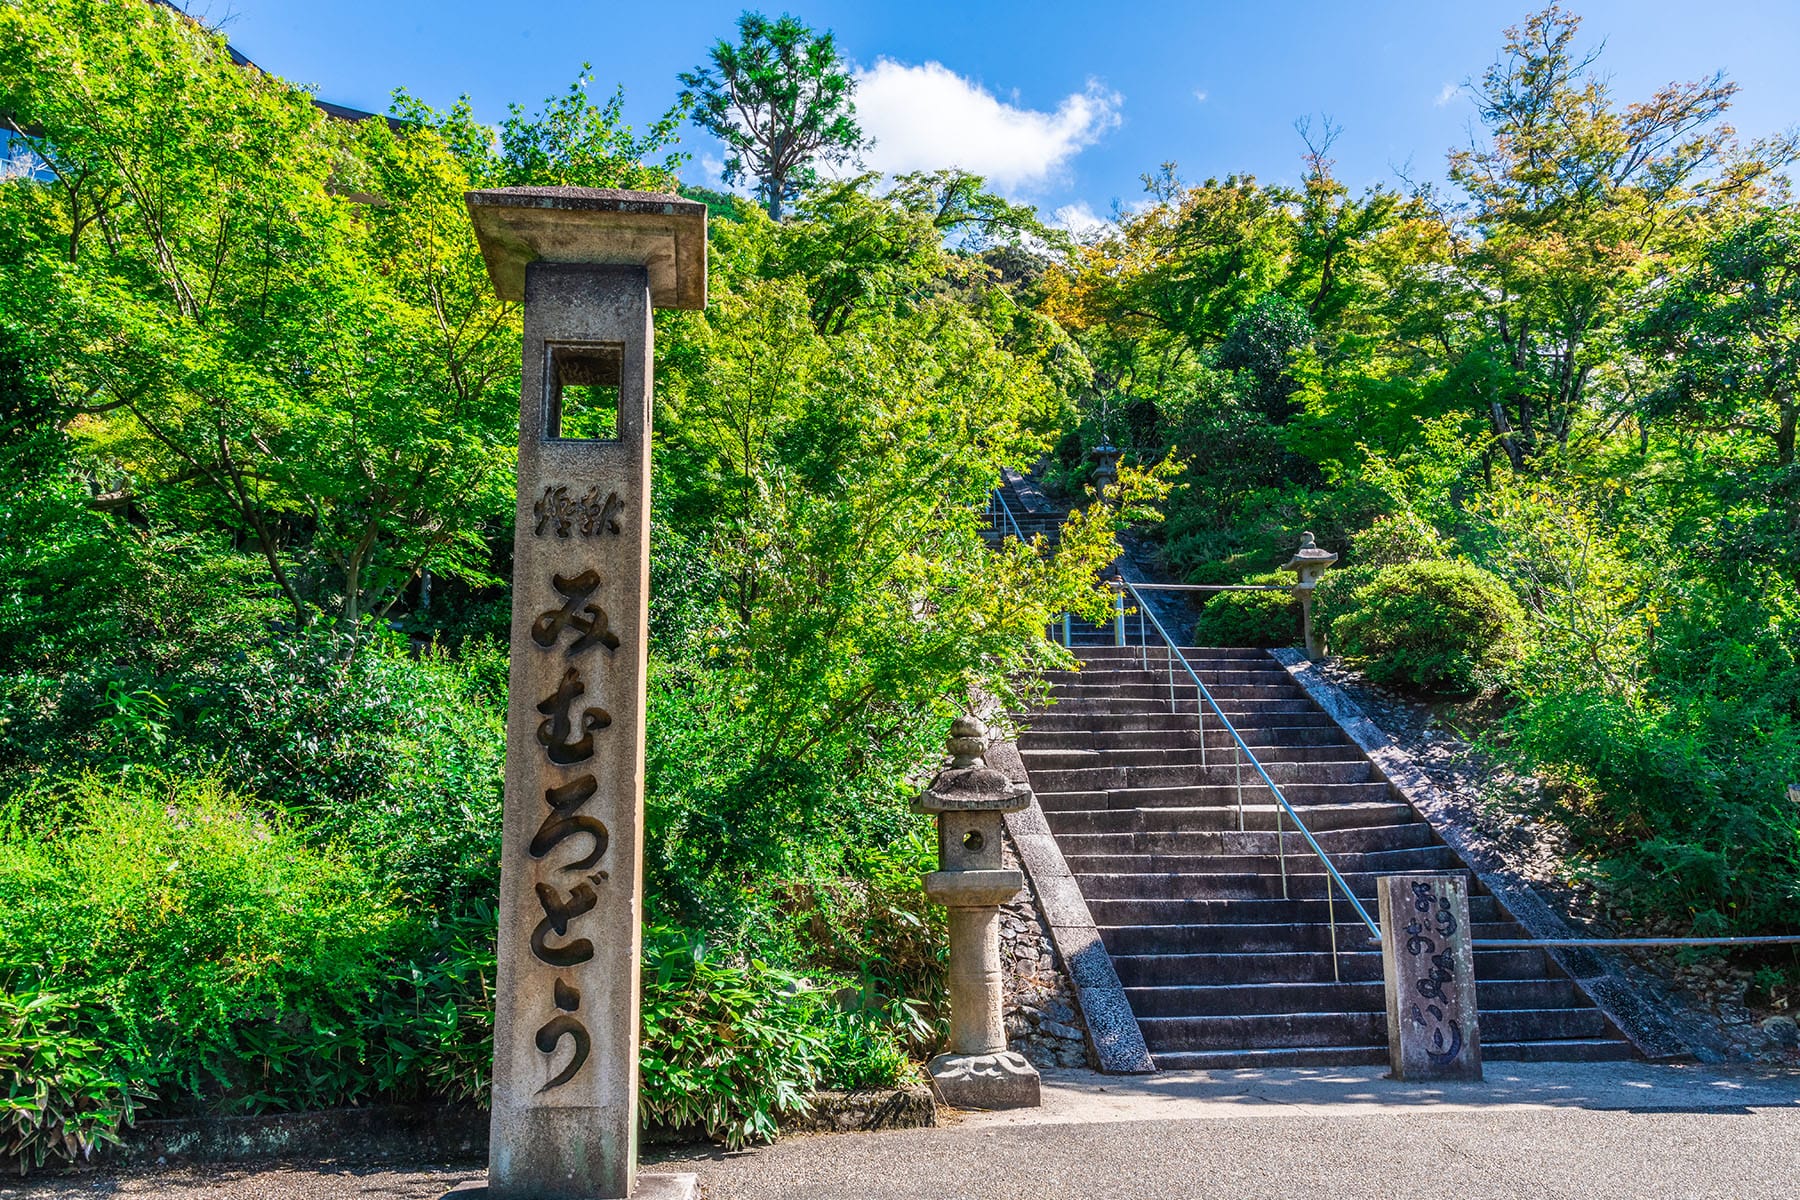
(1576,202)
(781,100)
(1726,337)
(286,330)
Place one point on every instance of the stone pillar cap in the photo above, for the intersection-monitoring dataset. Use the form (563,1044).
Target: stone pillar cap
(659,231)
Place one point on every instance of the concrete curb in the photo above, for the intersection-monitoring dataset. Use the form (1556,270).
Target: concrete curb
(1642,1019)
(1113,1031)
(433,1133)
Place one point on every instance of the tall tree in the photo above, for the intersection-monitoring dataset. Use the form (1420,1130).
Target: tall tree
(1575,202)
(781,101)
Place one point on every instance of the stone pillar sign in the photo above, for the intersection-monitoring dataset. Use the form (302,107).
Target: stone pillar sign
(1434,1026)
(590,265)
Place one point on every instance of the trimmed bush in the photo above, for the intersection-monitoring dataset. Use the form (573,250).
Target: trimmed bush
(1250,618)
(1432,625)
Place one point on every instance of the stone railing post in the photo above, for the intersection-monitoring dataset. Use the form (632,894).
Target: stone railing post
(1434,1024)
(1308,564)
(968,798)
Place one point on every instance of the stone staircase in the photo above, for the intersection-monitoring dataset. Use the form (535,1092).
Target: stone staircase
(1220,968)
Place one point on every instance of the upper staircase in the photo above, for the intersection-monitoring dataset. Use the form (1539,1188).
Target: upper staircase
(1224,962)
(1221,969)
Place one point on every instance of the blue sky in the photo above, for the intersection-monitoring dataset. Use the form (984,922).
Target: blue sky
(1062,105)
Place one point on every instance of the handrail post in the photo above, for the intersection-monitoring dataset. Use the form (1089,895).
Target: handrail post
(1281,853)
(1238,762)
(1119,616)
(1068,638)
(1331,916)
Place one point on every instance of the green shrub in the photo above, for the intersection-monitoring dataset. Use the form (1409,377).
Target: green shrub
(1250,618)
(1433,625)
(65,1094)
(209,948)
(1395,538)
(1335,596)
(1676,795)
(727,1047)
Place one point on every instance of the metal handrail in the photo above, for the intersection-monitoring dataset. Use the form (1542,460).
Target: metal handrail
(1217,587)
(1274,790)
(1781,939)
(995,497)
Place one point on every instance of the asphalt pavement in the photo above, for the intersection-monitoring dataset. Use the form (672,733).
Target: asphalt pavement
(1538,1130)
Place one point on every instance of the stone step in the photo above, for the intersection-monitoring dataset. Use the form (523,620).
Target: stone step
(1597,1049)
(1189,755)
(1098,719)
(1158,675)
(1269,999)
(1367,1028)
(1182,694)
(1308,738)
(1566,1050)
(1274,937)
(1283,1056)
(1118,913)
(1167,970)
(1160,831)
(1407,858)
(1193,653)
(1146,774)
(1234,710)
(1253,795)
(1305,881)
(1126,835)
(1311,758)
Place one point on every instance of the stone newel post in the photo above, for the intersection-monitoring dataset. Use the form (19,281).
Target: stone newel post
(1308,564)
(590,265)
(968,798)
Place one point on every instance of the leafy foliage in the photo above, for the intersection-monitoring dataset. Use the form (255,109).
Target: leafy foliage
(1251,618)
(1433,624)
(63,1098)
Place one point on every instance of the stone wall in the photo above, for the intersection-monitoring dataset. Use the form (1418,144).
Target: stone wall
(1043,1016)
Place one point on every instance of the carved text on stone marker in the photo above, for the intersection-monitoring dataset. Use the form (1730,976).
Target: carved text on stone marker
(567,736)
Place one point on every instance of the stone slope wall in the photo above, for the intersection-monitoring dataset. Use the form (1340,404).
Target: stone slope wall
(1043,1016)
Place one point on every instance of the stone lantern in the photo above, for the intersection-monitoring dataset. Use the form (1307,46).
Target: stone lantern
(968,798)
(1308,564)
(1106,468)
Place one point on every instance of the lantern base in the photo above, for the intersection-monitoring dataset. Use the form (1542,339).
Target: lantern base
(1003,1080)
(649,1187)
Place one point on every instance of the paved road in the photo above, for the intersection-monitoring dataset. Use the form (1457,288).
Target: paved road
(1616,1130)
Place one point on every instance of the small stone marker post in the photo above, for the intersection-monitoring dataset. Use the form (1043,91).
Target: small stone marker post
(968,798)
(1434,1027)
(589,265)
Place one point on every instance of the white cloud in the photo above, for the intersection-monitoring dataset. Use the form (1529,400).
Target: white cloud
(1450,92)
(928,117)
(1080,220)
(1200,95)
